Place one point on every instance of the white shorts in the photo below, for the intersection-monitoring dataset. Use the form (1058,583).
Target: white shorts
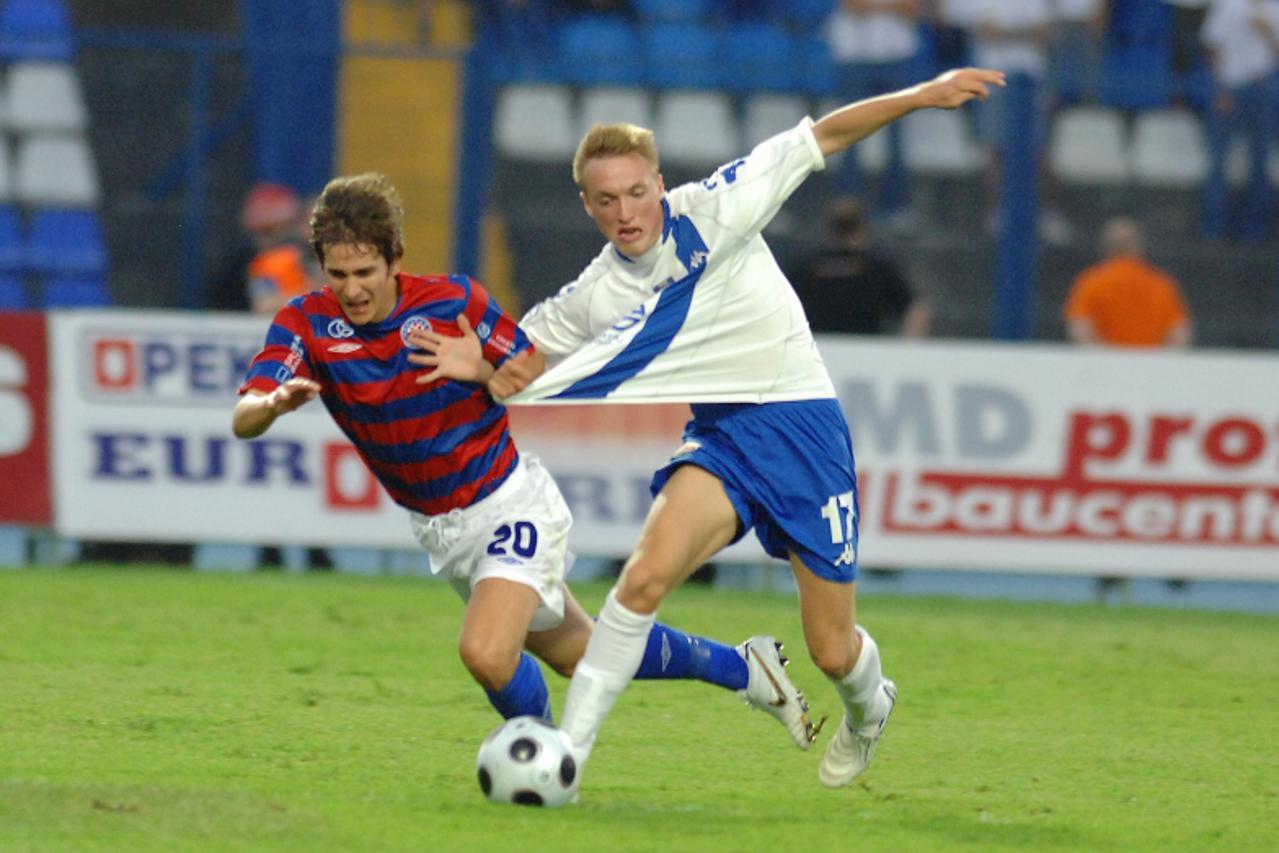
(518,533)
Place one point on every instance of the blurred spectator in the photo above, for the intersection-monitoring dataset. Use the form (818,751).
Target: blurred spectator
(1242,39)
(850,288)
(1125,300)
(1013,37)
(1187,21)
(1075,48)
(875,44)
(282,266)
(953,22)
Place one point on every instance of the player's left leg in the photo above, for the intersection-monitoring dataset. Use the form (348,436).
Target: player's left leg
(849,657)
(498,614)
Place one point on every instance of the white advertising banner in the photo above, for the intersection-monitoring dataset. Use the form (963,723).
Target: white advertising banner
(970,456)
(143,448)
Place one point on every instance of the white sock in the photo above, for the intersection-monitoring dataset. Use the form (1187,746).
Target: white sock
(865,702)
(612,656)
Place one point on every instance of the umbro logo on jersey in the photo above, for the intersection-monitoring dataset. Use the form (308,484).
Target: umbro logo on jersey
(350,346)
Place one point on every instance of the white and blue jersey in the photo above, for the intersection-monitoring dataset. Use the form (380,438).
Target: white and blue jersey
(706,316)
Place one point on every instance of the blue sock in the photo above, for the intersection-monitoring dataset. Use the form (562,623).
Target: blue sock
(674,654)
(525,694)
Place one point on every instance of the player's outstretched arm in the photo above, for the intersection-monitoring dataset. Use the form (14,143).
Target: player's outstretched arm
(257,410)
(837,130)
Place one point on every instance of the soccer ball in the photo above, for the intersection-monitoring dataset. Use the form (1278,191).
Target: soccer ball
(527,761)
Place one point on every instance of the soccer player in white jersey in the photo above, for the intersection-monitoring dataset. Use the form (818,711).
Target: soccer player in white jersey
(686,302)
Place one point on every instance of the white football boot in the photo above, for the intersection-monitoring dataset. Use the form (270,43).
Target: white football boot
(849,752)
(770,689)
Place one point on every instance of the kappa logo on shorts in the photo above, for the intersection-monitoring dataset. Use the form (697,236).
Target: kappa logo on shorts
(848,557)
(416,323)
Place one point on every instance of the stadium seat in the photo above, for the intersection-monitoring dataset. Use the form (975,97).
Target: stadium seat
(808,15)
(535,122)
(1169,149)
(74,293)
(762,57)
(56,171)
(65,243)
(1089,145)
(35,29)
(675,10)
(44,96)
(696,128)
(13,293)
(766,115)
(1238,165)
(598,51)
(938,142)
(608,105)
(12,244)
(683,56)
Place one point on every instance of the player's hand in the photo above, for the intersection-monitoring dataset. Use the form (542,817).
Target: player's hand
(513,376)
(292,395)
(956,88)
(452,357)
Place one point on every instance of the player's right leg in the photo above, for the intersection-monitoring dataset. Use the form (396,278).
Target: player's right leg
(754,670)
(690,520)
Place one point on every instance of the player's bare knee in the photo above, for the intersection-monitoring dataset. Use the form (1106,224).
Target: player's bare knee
(641,590)
(835,659)
(491,668)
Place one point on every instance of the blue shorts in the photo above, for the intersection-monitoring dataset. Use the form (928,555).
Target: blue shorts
(788,470)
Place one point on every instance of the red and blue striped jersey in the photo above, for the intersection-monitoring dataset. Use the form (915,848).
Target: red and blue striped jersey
(434,447)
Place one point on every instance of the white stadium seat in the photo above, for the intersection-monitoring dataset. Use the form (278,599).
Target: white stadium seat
(766,115)
(535,122)
(938,142)
(612,104)
(42,96)
(696,128)
(56,171)
(1089,145)
(1169,149)
(6,171)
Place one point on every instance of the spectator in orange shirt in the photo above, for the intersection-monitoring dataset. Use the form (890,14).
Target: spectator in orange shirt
(283,267)
(1125,300)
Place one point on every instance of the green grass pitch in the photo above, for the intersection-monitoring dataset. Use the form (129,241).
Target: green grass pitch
(165,710)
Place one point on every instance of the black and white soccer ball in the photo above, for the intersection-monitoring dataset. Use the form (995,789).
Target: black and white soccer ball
(529,762)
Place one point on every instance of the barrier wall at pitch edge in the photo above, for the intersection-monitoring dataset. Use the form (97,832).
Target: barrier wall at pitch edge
(971,456)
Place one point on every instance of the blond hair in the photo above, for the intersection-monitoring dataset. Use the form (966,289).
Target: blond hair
(359,209)
(613,140)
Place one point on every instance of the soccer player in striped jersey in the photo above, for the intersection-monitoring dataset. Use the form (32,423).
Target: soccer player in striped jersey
(492,521)
(685,302)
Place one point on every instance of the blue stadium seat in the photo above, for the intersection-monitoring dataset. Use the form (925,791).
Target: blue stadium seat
(11,243)
(676,10)
(762,57)
(35,29)
(683,56)
(13,293)
(603,50)
(65,242)
(74,293)
(807,16)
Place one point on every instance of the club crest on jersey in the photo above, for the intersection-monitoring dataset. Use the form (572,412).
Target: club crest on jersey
(340,328)
(412,324)
(483,330)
